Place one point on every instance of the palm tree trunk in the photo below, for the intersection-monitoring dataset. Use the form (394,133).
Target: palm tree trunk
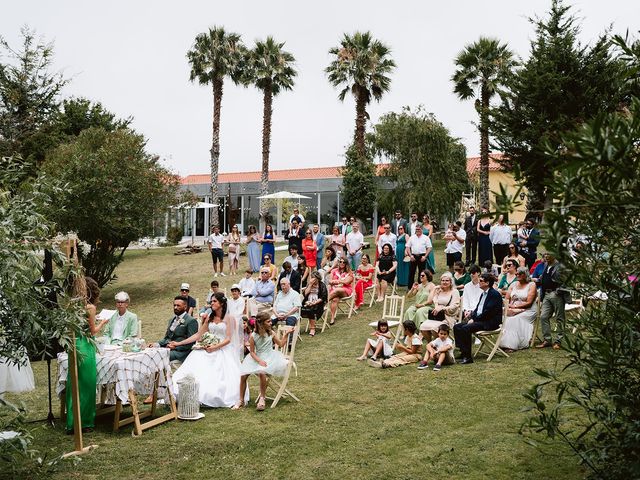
(484,148)
(361,113)
(266,142)
(215,149)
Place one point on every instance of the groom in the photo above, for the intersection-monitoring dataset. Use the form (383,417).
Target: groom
(181,327)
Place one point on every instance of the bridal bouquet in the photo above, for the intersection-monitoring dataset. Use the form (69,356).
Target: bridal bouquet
(207,339)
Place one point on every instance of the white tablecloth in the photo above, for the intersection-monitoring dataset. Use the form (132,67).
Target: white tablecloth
(119,372)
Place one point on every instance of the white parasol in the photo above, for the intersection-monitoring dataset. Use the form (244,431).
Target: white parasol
(279,196)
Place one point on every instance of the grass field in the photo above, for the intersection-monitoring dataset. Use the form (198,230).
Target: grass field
(353,421)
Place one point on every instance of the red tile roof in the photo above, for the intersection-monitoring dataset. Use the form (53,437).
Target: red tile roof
(473,163)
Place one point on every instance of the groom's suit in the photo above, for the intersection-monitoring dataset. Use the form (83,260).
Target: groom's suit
(185,327)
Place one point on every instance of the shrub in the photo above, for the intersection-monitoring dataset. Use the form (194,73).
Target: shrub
(174,235)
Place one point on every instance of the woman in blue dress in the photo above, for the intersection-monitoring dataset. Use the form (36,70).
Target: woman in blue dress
(253,249)
(402,270)
(268,243)
(427,229)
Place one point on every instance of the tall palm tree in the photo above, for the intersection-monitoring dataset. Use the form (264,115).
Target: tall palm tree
(482,68)
(216,54)
(270,69)
(361,66)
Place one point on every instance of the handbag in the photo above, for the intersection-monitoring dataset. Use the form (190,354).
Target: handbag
(406,259)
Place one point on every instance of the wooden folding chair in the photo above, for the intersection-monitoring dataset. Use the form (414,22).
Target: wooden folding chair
(536,321)
(372,289)
(491,338)
(323,319)
(392,312)
(346,305)
(280,385)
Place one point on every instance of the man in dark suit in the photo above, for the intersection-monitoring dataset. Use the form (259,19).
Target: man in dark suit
(397,221)
(180,327)
(486,316)
(529,245)
(471,242)
(292,275)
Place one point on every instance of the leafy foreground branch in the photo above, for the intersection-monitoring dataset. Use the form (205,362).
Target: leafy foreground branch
(593,404)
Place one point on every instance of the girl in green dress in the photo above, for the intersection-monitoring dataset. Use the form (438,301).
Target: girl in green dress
(460,276)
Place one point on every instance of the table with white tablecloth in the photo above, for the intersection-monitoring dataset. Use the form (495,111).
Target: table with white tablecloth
(122,376)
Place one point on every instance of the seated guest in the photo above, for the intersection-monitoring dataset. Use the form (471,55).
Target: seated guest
(315,298)
(292,258)
(235,304)
(247,283)
(445,302)
(180,327)
(486,316)
(408,353)
(422,292)
(290,274)
(521,313)
(273,270)
(340,286)
(508,277)
(303,270)
(123,324)
(439,350)
(191,302)
(513,255)
(460,276)
(364,279)
(472,291)
(206,310)
(286,305)
(328,263)
(262,293)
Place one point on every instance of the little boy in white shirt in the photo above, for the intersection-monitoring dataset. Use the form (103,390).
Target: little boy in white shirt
(440,350)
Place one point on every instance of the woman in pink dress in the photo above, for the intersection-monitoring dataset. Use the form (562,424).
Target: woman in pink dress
(340,286)
(364,279)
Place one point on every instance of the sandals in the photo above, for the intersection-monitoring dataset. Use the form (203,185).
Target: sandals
(237,406)
(312,332)
(261,404)
(361,358)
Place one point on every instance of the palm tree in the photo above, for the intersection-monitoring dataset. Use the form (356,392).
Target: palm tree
(361,66)
(482,68)
(215,55)
(270,69)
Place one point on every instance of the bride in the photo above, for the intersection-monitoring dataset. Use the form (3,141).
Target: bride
(216,367)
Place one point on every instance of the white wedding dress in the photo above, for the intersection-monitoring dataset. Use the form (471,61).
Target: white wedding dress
(217,372)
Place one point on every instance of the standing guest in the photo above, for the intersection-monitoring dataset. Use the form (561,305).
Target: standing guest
(336,242)
(513,255)
(427,229)
(397,222)
(446,305)
(123,323)
(294,236)
(460,276)
(273,270)
(403,266)
(538,270)
(268,243)
(340,286)
(553,301)
(407,353)
(418,248)
(318,237)
(508,277)
(298,217)
(386,237)
(315,297)
(291,274)
(387,266)
(355,244)
(215,243)
(292,258)
(345,228)
(500,236)
(310,249)
(381,231)
(486,316)
(484,240)
(262,293)
(455,237)
(529,243)
(286,305)
(191,302)
(521,313)
(181,327)
(471,292)
(253,248)
(85,356)
(471,229)
(304,271)
(421,291)
(329,262)
(233,240)
(364,279)
(413,224)
(247,283)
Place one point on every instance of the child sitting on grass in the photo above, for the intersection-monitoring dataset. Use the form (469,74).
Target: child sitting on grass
(440,350)
(379,343)
(408,353)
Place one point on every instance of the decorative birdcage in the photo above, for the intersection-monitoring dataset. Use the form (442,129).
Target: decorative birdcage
(188,399)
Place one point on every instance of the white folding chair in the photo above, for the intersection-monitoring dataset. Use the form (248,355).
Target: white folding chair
(280,385)
(346,305)
(536,321)
(392,312)
(491,338)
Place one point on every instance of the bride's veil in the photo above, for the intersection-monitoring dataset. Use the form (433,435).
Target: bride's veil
(237,334)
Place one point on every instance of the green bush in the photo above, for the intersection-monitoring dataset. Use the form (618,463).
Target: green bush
(174,235)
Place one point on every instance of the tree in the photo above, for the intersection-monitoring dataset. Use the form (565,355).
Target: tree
(29,98)
(362,66)
(481,69)
(114,189)
(560,86)
(79,114)
(216,54)
(359,186)
(271,69)
(593,402)
(426,164)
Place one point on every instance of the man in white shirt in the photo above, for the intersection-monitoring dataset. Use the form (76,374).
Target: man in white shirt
(355,244)
(413,224)
(286,307)
(236,304)
(247,283)
(500,236)
(292,258)
(298,217)
(391,239)
(215,242)
(472,291)
(418,247)
(455,242)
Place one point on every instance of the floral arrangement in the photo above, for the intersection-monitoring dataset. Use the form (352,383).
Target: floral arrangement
(207,340)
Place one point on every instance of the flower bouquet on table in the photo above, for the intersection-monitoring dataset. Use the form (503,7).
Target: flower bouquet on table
(207,340)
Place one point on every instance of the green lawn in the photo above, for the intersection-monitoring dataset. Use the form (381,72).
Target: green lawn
(353,421)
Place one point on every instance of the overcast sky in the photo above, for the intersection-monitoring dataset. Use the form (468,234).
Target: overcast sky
(130,55)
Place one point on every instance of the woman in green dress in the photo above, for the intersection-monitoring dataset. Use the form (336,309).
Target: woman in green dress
(460,276)
(402,270)
(421,292)
(86,360)
(427,229)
